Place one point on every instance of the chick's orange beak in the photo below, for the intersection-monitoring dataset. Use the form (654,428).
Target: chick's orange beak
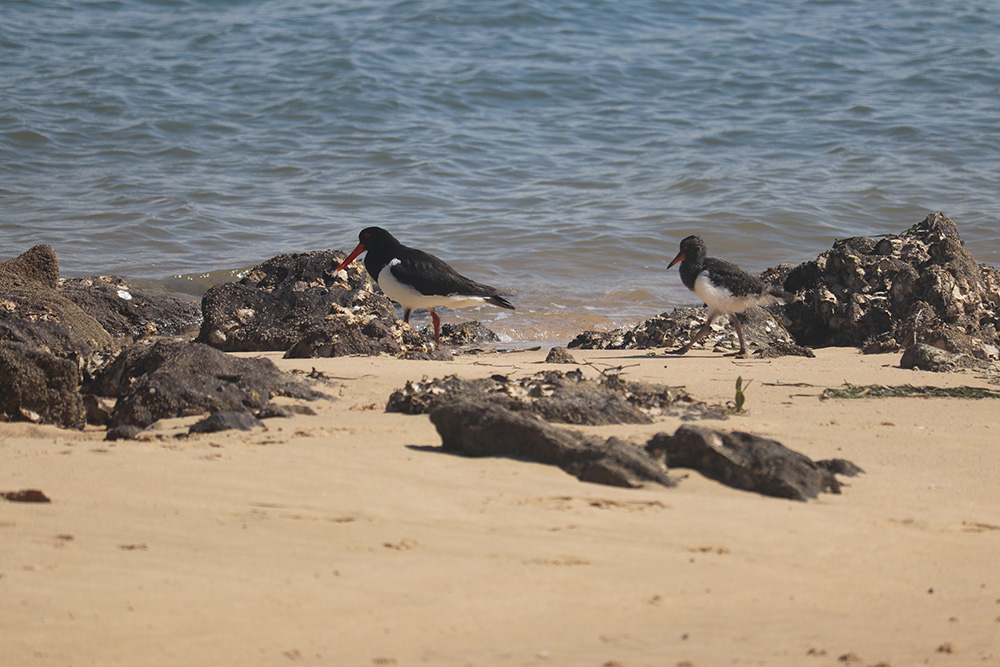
(678,258)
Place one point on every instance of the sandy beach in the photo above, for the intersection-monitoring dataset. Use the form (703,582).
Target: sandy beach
(349,538)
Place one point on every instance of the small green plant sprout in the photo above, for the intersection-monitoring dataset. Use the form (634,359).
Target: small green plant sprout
(740,398)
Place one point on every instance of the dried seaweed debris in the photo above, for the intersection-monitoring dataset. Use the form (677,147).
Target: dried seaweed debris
(849,390)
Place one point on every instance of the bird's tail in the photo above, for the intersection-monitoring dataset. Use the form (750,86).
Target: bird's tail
(497,300)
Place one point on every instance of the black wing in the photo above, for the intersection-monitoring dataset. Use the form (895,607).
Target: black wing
(429,275)
(738,281)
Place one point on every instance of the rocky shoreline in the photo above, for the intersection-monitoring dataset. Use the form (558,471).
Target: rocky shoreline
(94,351)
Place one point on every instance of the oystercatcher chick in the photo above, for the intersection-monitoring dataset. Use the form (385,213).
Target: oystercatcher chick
(723,286)
(415,279)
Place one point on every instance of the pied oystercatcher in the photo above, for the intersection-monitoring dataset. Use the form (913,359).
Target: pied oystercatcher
(415,279)
(723,286)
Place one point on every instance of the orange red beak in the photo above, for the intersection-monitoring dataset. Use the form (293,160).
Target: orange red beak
(350,258)
(678,258)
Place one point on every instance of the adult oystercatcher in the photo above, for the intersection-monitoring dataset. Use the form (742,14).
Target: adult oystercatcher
(723,286)
(415,279)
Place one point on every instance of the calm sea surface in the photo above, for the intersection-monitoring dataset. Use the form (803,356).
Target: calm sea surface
(559,150)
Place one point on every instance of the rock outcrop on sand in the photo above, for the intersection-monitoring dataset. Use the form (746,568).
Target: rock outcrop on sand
(46,343)
(749,462)
(480,427)
(177,379)
(557,396)
(40,387)
(885,294)
(59,340)
(483,428)
(499,416)
(299,303)
(33,311)
(762,329)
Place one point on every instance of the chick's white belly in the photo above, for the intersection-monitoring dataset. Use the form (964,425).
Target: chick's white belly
(720,299)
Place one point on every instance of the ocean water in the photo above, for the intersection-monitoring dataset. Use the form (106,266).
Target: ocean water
(559,150)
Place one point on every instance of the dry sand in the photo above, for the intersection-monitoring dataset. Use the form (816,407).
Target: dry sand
(347,538)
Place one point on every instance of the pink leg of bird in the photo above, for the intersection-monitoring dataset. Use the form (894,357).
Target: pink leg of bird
(437,327)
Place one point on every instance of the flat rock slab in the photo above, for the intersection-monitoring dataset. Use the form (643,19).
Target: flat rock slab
(929,358)
(483,428)
(557,396)
(478,427)
(748,462)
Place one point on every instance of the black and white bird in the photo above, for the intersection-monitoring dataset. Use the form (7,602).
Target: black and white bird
(723,286)
(415,279)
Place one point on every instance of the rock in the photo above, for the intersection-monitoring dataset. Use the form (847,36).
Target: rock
(171,379)
(32,311)
(840,467)
(425,353)
(466,333)
(127,313)
(284,300)
(35,268)
(485,429)
(40,387)
(25,496)
(922,356)
(559,355)
(762,330)
(341,338)
(272,410)
(556,396)
(123,432)
(744,461)
(883,295)
(783,349)
(226,420)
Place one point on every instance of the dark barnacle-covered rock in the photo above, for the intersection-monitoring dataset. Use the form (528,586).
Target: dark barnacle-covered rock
(563,397)
(172,379)
(467,333)
(559,355)
(479,427)
(226,420)
(39,387)
(293,299)
(47,343)
(749,462)
(763,330)
(885,294)
(299,303)
(130,314)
